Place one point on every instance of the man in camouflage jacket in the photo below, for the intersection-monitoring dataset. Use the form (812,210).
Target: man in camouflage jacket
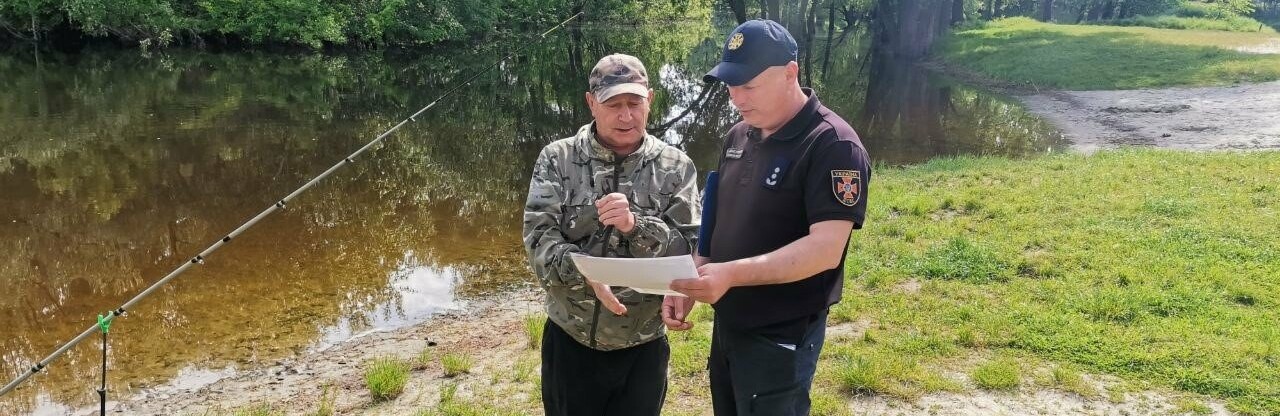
(610,190)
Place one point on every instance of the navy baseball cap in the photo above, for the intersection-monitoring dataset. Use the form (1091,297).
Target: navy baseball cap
(753,47)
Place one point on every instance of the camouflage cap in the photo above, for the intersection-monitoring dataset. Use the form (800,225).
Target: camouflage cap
(618,74)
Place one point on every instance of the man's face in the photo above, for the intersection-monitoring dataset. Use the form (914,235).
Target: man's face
(759,100)
(621,119)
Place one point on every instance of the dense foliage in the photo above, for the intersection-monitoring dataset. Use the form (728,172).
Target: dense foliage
(314,23)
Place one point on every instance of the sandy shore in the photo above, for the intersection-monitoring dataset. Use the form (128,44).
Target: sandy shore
(1209,118)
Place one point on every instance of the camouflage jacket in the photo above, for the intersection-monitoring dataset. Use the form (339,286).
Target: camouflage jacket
(560,218)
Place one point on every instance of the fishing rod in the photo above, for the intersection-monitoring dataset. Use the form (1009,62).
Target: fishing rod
(104,321)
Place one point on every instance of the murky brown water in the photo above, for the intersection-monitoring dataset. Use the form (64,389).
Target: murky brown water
(116,167)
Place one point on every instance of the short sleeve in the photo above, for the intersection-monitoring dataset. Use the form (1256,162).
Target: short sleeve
(836,186)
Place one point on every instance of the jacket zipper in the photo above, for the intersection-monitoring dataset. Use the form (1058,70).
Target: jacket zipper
(595,319)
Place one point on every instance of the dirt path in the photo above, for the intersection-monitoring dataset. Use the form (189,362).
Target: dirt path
(1208,118)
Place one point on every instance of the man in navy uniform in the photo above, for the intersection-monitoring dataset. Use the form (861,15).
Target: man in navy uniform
(792,185)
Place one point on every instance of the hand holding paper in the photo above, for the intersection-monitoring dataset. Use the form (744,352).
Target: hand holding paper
(645,275)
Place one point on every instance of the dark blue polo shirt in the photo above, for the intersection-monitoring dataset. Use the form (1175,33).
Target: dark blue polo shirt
(771,190)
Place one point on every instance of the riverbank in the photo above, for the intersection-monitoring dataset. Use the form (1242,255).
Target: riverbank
(1110,86)
(1207,118)
(1030,55)
(1121,282)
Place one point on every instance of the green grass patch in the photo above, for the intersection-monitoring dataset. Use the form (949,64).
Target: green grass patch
(1001,374)
(1089,57)
(1155,266)
(533,326)
(1068,379)
(385,377)
(455,364)
(1190,406)
(1227,23)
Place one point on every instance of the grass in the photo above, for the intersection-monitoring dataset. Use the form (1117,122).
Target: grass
(328,398)
(450,404)
(257,409)
(1022,51)
(455,364)
(533,326)
(1068,379)
(1229,24)
(385,377)
(1001,374)
(1155,266)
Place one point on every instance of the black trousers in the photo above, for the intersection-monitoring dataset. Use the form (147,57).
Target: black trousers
(580,381)
(755,372)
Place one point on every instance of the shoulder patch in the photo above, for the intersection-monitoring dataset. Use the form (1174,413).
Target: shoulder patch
(846,185)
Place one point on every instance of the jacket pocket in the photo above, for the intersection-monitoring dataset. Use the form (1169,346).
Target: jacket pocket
(580,218)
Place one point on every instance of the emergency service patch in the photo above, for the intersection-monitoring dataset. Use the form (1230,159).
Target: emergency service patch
(846,184)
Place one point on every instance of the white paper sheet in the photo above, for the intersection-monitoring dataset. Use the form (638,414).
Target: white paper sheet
(652,275)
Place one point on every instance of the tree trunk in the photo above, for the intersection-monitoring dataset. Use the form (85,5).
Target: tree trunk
(800,22)
(987,9)
(810,29)
(1046,10)
(996,12)
(831,33)
(739,8)
(957,12)
(774,10)
(1108,10)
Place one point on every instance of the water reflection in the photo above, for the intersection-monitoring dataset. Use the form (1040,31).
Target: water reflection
(116,167)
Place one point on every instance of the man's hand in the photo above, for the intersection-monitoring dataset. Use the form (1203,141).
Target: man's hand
(615,210)
(607,299)
(712,282)
(675,311)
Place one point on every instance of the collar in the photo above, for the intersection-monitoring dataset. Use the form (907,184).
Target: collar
(799,123)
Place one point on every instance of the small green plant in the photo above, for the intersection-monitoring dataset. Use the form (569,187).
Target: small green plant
(533,325)
(455,364)
(447,393)
(1001,374)
(327,400)
(385,377)
(424,359)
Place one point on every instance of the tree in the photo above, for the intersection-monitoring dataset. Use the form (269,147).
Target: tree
(739,8)
(1046,10)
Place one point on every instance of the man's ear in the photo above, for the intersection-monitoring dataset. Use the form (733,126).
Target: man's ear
(591,100)
(651,95)
(793,71)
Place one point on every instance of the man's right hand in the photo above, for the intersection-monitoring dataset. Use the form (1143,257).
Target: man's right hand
(607,299)
(675,312)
